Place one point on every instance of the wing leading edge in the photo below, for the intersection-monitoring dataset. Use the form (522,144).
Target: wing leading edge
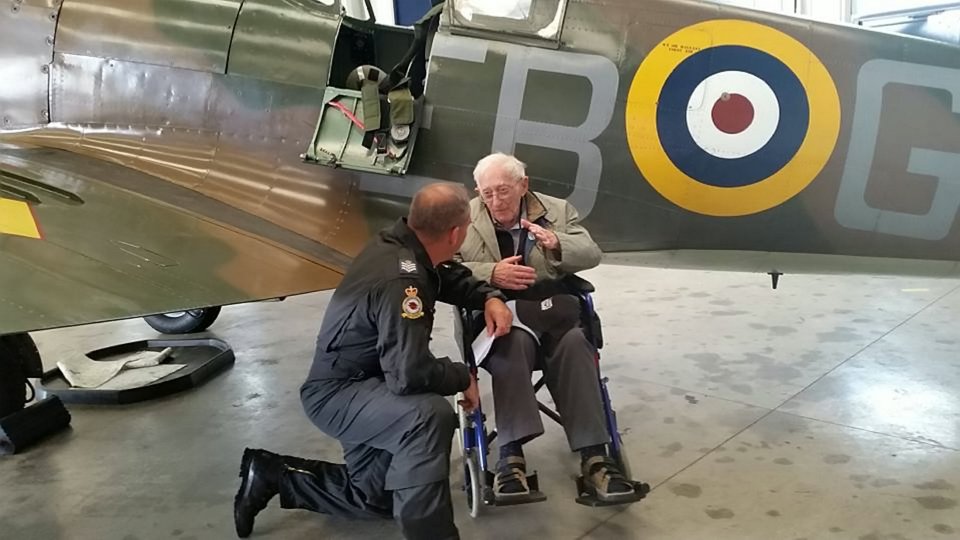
(110,252)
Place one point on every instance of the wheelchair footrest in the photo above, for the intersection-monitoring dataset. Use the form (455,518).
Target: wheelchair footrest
(588,497)
(534,496)
(526,498)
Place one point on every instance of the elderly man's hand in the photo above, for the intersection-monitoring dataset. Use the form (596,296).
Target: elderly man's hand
(509,274)
(498,316)
(545,237)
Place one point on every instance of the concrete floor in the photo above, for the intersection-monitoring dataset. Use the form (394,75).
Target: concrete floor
(826,409)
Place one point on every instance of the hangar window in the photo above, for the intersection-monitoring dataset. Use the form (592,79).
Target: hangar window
(533,22)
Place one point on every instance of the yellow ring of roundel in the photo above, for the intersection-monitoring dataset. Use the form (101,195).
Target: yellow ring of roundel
(791,179)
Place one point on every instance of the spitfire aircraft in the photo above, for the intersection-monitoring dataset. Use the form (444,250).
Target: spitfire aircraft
(162,158)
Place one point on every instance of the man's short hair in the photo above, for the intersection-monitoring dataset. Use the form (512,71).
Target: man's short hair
(512,166)
(439,207)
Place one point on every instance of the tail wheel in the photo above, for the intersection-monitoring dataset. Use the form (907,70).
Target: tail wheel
(184,322)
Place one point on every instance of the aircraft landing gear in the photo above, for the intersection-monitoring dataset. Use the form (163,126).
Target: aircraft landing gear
(19,359)
(184,322)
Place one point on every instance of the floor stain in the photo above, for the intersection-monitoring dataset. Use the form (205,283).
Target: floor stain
(943,529)
(773,513)
(836,459)
(745,389)
(778,373)
(686,490)
(729,313)
(671,449)
(781,330)
(783,461)
(840,335)
(720,513)
(836,529)
(725,459)
(884,482)
(668,420)
(936,484)
(936,502)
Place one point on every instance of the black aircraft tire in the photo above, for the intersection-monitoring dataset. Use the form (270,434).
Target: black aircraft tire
(13,382)
(185,322)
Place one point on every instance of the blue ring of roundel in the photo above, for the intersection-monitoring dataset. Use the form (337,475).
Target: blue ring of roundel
(686,154)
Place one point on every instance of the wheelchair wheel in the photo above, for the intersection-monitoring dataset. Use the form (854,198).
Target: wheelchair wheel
(472,483)
(623,460)
(462,422)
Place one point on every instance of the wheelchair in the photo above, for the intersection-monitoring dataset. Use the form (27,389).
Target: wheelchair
(474,439)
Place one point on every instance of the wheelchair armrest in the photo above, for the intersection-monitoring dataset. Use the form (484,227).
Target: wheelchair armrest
(578,285)
(465,332)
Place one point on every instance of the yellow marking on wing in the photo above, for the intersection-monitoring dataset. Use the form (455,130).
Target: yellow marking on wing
(16,218)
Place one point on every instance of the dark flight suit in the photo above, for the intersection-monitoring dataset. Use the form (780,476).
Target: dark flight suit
(375,386)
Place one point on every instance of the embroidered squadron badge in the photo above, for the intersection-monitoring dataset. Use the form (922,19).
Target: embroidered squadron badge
(412,305)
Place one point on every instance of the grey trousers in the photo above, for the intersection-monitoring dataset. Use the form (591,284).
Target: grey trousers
(397,454)
(571,376)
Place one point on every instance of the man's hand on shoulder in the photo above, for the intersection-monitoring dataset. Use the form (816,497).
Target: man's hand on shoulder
(498,316)
(509,274)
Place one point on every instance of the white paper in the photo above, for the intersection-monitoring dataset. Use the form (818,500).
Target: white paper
(484,342)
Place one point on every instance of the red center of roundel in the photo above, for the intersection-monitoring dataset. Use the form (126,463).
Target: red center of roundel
(732,113)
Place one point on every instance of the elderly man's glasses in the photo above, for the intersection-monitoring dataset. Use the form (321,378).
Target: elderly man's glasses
(501,192)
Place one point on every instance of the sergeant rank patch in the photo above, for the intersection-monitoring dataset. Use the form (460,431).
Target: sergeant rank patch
(412,305)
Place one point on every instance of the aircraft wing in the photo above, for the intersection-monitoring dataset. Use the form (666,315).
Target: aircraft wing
(83,241)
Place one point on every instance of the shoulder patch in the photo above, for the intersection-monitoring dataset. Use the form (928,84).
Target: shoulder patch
(407,266)
(412,305)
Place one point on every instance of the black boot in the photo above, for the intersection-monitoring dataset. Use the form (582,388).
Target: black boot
(260,481)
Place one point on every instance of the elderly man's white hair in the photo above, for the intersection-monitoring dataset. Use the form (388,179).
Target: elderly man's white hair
(510,165)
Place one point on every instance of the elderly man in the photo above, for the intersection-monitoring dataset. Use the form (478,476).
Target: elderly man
(375,386)
(519,239)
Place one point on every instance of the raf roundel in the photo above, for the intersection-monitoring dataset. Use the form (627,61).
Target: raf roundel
(731,118)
